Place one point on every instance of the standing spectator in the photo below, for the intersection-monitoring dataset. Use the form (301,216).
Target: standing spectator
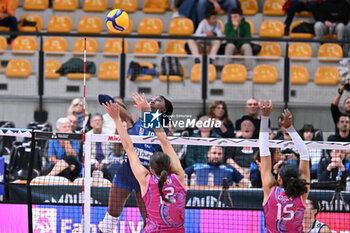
(237,27)
(331,18)
(216,5)
(218,111)
(335,105)
(343,132)
(7,17)
(207,28)
(76,108)
(335,165)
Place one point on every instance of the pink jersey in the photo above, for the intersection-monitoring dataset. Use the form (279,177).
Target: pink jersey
(283,213)
(163,216)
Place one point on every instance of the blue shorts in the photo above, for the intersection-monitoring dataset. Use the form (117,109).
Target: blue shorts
(125,179)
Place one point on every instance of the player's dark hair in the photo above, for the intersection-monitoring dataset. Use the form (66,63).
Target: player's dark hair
(316,205)
(168,110)
(293,185)
(160,163)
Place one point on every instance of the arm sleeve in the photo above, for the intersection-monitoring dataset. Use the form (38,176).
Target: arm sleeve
(264,137)
(51,149)
(335,113)
(322,173)
(230,133)
(299,144)
(200,29)
(236,176)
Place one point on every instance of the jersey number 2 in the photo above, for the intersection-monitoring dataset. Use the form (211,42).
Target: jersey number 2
(169,194)
(285,211)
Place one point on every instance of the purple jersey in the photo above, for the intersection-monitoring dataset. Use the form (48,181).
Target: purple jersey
(283,213)
(163,216)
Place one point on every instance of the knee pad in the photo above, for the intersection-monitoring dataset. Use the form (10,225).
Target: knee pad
(108,224)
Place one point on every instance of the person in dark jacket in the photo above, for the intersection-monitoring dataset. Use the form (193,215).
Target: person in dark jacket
(331,18)
(237,27)
(218,111)
(343,130)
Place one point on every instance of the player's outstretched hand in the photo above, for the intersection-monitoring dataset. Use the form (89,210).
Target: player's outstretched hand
(112,109)
(141,102)
(287,119)
(265,108)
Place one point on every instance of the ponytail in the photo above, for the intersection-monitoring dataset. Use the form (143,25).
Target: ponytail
(162,178)
(295,187)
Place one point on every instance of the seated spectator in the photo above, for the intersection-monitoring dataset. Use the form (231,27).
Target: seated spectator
(307,133)
(333,166)
(237,27)
(207,28)
(76,108)
(335,105)
(74,123)
(343,134)
(331,18)
(272,135)
(63,154)
(218,111)
(198,154)
(215,165)
(217,6)
(7,17)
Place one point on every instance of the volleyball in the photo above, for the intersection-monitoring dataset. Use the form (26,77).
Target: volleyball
(117,20)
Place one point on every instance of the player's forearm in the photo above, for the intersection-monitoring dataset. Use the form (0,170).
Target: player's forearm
(125,138)
(299,143)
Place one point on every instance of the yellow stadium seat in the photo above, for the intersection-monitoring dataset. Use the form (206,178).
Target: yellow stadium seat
(52,45)
(265,74)
(146,46)
(330,50)
(60,23)
(4,29)
(113,47)
(3,44)
(65,5)
(234,73)
(249,7)
(90,24)
(180,27)
(271,28)
(222,26)
(270,49)
(299,75)
(33,18)
(95,5)
(173,78)
(303,14)
(50,69)
(155,6)
(127,31)
(109,70)
(24,45)
(79,76)
(144,78)
(299,50)
(274,7)
(126,5)
(326,75)
(35,5)
(18,68)
(91,47)
(196,73)
(15,3)
(150,26)
(251,26)
(175,47)
(297,35)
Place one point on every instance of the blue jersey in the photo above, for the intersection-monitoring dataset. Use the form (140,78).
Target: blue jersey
(124,177)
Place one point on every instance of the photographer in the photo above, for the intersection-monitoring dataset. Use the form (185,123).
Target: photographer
(334,106)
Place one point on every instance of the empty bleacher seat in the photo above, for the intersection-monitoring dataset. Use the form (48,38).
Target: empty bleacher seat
(60,23)
(180,27)
(3,44)
(251,26)
(330,50)
(18,68)
(35,5)
(234,73)
(65,5)
(113,47)
(155,6)
(32,18)
(50,69)
(24,45)
(299,50)
(95,5)
(173,78)
(270,49)
(326,75)
(175,47)
(91,47)
(299,75)
(146,46)
(127,5)
(150,26)
(271,28)
(52,45)
(296,35)
(78,76)
(196,73)
(274,7)
(249,7)
(127,31)
(109,70)
(144,78)
(90,24)
(265,74)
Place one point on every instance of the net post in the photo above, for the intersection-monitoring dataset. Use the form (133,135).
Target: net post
(87,183)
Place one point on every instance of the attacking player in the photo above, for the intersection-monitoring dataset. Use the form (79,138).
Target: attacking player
(163,187)
(284,198)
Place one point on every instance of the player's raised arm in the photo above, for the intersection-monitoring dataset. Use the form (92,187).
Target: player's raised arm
(140,172)
(268,181)
(304,165)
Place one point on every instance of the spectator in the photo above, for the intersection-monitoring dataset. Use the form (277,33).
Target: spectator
(217,6)
(293,6)
(218,111)
(63,154)
(333,166)
(7,17)
(343,134)
(215,165)
(335,105)
(198,154)
(331,18)
(74,123)
(207,28)
(237,27)
(307,133)
(310,224)
(76,108)
(272,135)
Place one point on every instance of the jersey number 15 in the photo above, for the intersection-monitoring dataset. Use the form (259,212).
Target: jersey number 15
(285,211)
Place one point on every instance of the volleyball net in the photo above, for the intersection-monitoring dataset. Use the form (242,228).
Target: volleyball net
(221,197)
